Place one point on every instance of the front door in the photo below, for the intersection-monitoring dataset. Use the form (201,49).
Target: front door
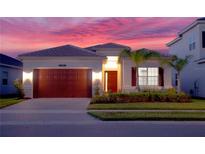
(111,81)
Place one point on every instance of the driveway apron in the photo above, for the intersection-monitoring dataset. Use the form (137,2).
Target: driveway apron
(55,110)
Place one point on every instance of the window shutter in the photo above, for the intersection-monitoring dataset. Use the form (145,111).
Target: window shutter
(161,76)
(203,39)
(134,76)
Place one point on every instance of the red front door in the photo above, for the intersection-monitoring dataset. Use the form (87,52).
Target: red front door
(111,81)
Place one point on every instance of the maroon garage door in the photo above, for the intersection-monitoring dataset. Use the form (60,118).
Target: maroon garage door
(51,83)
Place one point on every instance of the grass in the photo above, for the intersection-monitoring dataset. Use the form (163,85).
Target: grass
(4,102)
(196,104)
(176,116)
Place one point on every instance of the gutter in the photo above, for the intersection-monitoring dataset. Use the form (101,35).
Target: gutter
(11,66)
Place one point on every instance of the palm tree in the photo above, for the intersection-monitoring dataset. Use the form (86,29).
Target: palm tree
(178,65)
(139,56)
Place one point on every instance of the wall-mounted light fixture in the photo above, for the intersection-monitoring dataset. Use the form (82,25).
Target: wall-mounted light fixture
(27,76)
(111,62)
(97,76)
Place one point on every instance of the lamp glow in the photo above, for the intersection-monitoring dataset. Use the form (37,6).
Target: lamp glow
(112,62)
(97,76)
(27,76)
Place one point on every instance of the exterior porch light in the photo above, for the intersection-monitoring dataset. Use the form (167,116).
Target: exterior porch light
(97,76)
(111,62)
(27,76)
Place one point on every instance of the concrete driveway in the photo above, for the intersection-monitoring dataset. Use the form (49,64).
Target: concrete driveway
(47,111)
(68,117)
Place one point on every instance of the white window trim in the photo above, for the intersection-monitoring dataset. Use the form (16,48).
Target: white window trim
(147,77)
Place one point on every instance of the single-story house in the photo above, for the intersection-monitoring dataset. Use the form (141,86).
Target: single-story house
(71,71)
(10,70)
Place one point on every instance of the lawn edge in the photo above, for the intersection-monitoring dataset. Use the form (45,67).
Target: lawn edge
(7,105)
(145,119)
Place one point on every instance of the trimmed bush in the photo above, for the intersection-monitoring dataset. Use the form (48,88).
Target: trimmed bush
(19,86)
(154,96)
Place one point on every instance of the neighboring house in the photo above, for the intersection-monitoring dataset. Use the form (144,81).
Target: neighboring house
(191,41)
(70,71)
(10,70)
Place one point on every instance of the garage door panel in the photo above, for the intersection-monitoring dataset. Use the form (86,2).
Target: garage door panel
(62,83)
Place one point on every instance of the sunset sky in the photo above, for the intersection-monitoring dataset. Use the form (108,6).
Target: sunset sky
(19,35)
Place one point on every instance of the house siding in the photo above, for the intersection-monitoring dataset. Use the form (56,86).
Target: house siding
(13,74)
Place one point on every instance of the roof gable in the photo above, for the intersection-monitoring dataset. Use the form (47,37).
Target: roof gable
(108,45)
(4,59)
(61,51)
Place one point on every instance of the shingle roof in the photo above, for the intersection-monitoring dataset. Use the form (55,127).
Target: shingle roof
(66,50)
(107,45)
(4,59)
(200,19)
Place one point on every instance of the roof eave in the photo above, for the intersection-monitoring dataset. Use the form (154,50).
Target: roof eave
(60,57)
(191,26)
(173,41)
(184,31)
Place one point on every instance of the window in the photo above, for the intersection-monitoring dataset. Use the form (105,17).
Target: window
(176,79)
(192,44)
(4,78)
(203,39)
(148,76)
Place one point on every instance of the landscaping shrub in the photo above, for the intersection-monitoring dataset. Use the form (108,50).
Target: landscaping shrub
(19,86)
(97,88)
(154,96)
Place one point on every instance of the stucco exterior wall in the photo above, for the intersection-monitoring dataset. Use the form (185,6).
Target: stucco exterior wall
(127,74)
(29,64)
(13,74)
(192,79)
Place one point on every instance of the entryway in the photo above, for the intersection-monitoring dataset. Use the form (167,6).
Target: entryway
(110,81)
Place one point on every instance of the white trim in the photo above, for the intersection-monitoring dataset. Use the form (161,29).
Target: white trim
(106,81)
(60,57)
(63,67)
(12,66)
(174,41)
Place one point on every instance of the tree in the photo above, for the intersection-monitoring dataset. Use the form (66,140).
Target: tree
(139,56)
(178,64)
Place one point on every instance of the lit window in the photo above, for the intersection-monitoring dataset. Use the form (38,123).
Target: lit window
(148,76)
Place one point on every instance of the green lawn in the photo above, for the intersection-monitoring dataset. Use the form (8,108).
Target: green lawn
(9,101)
(114,116)
(196,104)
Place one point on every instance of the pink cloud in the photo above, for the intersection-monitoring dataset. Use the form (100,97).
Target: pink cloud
(18,35)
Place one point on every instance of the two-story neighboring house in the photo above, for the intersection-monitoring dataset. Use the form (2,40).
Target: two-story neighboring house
(191,41)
